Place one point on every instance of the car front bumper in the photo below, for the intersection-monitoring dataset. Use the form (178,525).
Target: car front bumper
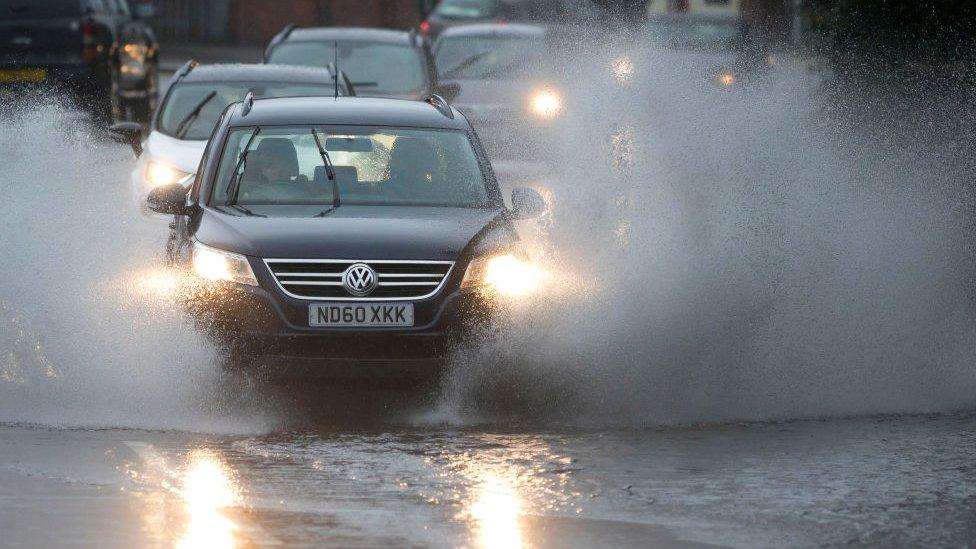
(268,325)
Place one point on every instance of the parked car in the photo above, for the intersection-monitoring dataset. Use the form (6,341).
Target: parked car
(193,104)
(100,51)
(380,62)
(361,232)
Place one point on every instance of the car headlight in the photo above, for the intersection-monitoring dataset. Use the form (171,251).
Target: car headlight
(158,174)
(506,274)
(546,104)
(213,264)
(726,79)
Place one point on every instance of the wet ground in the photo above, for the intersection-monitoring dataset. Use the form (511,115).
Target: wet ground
(883,481)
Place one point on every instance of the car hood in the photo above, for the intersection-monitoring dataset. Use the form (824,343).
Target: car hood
(182,155)
(348,232)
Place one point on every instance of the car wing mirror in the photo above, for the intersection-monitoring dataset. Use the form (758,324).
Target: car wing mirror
(527,203)
(449,91)
(168,199)
(129,133)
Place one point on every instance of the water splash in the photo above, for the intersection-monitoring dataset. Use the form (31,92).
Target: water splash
(737,254)
(87,335)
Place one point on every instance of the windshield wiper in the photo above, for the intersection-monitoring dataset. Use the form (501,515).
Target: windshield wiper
(235,180)
(329,170)
(246,211)
(464,64)
(184,125)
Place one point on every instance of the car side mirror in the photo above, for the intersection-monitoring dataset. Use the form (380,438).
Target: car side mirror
(168,199)
(449,91)
(129,133)
(527,203)
(144,10)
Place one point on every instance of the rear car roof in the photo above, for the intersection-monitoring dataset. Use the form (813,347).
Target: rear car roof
(494,29)
(287,74)
(361,34)
(352,111)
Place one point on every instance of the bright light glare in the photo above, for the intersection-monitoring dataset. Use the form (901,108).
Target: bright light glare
(158,174)
(496,511)
(511,276)
(213,264)
(727,79)
(210,264)
(207,489)
(622,68)
(547,104)
(161,283)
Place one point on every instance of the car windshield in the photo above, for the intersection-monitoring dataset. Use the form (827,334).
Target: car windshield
(488,56)
(372,166)
(694,34)
(373,68)
(176,114)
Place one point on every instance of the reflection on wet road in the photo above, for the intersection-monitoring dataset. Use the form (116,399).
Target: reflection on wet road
(905,481)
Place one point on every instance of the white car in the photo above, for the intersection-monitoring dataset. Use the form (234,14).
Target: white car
(194,103)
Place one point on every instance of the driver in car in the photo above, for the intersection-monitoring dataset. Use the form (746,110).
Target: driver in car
(271,165)
(275,161)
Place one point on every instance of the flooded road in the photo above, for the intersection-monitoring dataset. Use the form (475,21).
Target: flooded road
(719,257)
(886,481)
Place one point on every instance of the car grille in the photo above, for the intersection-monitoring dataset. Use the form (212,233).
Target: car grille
(322,278)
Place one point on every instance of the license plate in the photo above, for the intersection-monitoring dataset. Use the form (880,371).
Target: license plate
(23,75)
(360,314)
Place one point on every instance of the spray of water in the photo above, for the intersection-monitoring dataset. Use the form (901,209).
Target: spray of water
(724,253)
(88,333)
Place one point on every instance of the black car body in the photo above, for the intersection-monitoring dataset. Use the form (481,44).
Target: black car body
(290,282)
(96,49)
(379,62)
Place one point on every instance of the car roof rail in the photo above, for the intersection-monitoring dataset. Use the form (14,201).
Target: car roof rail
(440,104)
(247,103)
(185,69)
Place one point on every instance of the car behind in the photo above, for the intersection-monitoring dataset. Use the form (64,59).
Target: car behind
(507,88)
(379,62)
(195,101)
